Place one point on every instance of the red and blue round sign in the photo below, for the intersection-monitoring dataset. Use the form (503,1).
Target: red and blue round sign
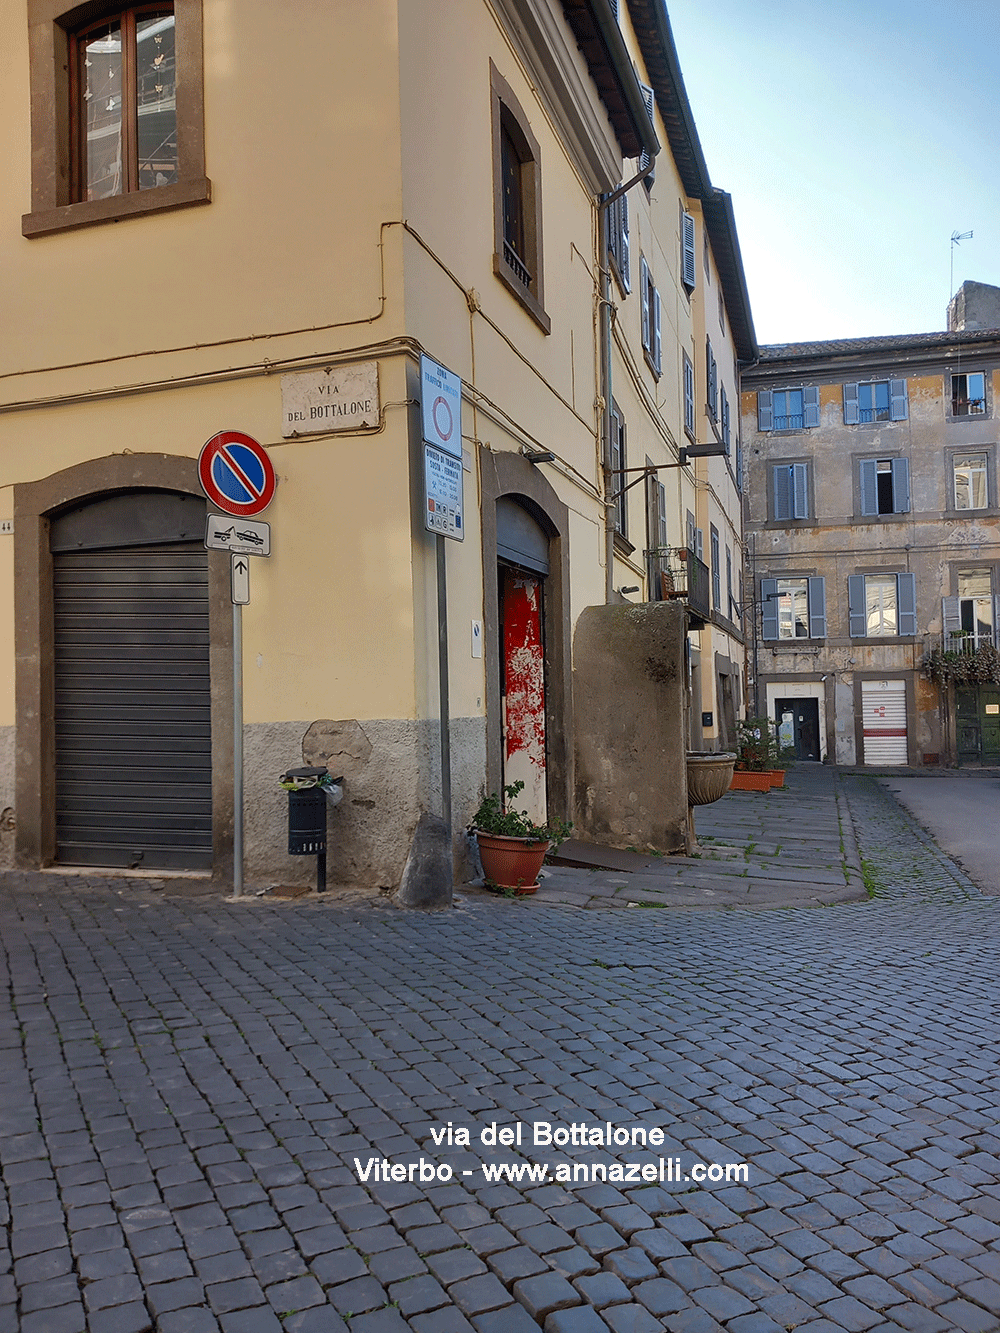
(236,473)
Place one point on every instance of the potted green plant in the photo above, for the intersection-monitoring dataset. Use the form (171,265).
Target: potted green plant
(512,846)
(757,749)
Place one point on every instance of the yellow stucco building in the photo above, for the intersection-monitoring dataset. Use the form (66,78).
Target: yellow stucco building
(217,218)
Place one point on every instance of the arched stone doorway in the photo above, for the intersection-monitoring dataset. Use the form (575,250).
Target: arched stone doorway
(88,674)
(525,530)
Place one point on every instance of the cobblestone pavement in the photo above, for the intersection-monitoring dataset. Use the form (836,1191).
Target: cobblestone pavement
(186,1084)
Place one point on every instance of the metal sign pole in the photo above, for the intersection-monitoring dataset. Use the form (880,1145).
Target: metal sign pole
(442,609)
(237,750)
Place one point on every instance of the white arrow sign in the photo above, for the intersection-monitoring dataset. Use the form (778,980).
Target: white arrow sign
(241,580)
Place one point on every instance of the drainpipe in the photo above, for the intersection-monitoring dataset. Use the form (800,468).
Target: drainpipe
(604,202)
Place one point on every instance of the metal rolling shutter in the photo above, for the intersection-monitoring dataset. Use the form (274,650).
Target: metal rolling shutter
(883,710)
(132,707)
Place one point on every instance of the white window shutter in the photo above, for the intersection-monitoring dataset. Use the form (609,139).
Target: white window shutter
(898,409)
(624,266)
(851,405)
(688,265)
(810,405)
(765,410)
(644,293)
(661,515)
(656,330)
(699,543)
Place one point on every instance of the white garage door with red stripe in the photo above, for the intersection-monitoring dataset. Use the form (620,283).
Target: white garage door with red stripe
(883,711)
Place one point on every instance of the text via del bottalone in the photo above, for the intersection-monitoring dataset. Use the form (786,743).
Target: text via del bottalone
(332,399)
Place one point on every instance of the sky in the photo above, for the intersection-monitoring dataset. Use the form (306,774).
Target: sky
(855,136)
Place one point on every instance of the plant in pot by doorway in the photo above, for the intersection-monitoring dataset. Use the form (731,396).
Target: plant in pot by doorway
(758,751)
(512,846)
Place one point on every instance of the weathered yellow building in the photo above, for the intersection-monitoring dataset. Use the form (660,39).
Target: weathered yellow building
(215,218)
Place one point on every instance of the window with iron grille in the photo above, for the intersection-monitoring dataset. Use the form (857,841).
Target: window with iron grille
(517,208)
(968,395)
(880,400)
(788,409)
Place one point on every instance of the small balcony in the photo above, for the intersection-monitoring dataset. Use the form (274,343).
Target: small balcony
(517,267)
(969,641)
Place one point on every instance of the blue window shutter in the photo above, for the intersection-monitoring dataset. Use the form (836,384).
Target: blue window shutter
(810,406)
(817,608)
(857,610)
(782,493)
(850,404)
(869,486)
(898,410)
(644,292)
(900,486)
(951,615)
(906,601)
(800,490)
(688,266)
(769,609)
(765,413)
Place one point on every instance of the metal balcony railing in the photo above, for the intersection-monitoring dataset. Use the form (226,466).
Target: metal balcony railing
(968,641)
(788,422)
(517,267)
(873,414)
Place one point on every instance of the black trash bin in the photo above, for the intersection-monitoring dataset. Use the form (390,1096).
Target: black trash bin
(307,820)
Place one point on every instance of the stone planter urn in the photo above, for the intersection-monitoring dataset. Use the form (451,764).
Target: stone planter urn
(709,775)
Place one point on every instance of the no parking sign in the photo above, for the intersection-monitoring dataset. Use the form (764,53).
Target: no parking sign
(236,473)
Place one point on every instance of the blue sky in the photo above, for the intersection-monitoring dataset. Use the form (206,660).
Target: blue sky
(855,137)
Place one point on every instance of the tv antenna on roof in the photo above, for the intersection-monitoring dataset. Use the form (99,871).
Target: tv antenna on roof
(956,238)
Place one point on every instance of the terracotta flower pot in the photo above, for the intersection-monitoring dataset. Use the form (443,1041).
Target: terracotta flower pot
(511,863)
(777,777)
(743,780)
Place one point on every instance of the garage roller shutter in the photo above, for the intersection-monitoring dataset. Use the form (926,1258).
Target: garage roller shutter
(883,704)
(132,707)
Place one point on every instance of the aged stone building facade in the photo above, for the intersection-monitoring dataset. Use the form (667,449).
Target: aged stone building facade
(874,537)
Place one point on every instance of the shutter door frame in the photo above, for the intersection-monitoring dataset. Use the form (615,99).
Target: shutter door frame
(133,752)
(884,723)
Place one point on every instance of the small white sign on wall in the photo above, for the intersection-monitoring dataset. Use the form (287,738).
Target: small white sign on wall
(334,398)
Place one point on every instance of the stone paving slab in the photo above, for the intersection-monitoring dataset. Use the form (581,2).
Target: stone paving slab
(188,1087)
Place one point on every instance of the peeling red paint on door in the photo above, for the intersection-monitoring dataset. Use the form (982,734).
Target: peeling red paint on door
(524,687)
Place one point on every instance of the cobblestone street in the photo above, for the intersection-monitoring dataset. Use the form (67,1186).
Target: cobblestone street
(187,1084)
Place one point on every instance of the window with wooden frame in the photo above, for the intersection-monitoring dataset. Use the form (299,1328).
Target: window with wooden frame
(123,101)
(517,201)
(117,112)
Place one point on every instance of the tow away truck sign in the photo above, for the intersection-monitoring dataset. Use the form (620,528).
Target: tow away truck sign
(239,535)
